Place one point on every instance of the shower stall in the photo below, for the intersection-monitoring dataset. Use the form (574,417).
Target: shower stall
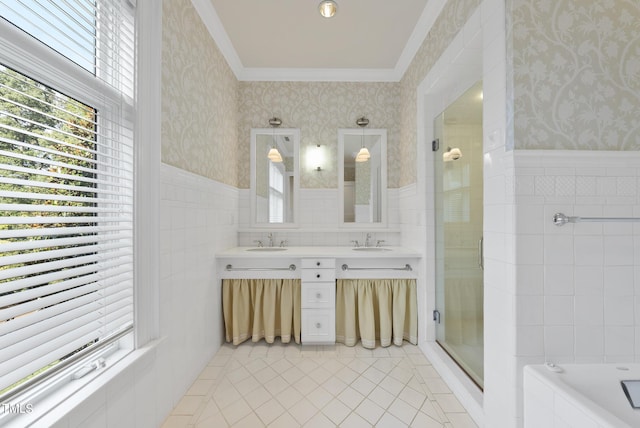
(458,184)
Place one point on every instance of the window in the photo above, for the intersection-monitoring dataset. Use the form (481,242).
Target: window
(69,31)
(66,185)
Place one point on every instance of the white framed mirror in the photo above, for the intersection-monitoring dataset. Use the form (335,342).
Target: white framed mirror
(275,177)
(362,178)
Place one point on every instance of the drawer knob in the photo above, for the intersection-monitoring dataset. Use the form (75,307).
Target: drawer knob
(318,295)
(317,263)
(318,276)
(318,325)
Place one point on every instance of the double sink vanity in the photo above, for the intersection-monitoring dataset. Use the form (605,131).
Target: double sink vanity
(318,294)
(318,268)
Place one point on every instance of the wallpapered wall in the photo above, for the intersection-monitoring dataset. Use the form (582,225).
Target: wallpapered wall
(574,83)
(454,15)
(576,74)
(199,98)
(319,109)
(206,122)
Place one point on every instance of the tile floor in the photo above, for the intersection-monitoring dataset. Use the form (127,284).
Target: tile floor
(287,385)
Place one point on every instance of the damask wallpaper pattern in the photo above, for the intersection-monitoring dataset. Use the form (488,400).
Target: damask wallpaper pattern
(199,98)
(452,18)
(319,109)
(573,83)
(576,74)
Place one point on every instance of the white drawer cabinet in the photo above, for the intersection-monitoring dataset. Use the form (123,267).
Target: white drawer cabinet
(318,326)
(318,297)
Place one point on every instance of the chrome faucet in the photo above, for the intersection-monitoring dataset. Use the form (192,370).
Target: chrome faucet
(270,236)
(366,241)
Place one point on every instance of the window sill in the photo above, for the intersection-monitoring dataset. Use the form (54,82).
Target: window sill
(54,407)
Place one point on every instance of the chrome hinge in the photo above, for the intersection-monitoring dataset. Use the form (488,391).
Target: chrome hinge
(436,316)
(435,145)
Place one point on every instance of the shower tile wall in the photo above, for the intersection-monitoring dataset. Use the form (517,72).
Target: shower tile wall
(578,285)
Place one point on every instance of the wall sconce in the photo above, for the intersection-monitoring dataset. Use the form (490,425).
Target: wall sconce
(363,155)
(315,158)
(274,155)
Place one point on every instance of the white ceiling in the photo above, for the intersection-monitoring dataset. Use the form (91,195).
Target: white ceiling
(288,39)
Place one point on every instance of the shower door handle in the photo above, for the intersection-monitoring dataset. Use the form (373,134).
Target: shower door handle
(481,252)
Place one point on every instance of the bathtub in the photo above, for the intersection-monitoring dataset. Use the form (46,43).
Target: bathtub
(579,396)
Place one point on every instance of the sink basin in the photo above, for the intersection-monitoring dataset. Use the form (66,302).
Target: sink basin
(267,249)
(373,249)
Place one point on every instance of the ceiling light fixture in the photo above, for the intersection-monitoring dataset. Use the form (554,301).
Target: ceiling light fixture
(328,8)
(363,155)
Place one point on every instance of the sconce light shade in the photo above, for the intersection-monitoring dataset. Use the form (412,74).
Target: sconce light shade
(328,8)
(274,155)
(315,158)
(363,155)
(452,154)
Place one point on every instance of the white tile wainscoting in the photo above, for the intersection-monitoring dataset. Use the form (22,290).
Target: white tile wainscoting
(578,292)
(318,222)
(198,217)
(575,291)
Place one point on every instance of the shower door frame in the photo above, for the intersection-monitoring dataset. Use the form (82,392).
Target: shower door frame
(460,274)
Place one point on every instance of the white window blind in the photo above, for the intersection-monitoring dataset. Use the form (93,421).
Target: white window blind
(66,186)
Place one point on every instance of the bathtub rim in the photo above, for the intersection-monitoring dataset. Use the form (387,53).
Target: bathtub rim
(599,414)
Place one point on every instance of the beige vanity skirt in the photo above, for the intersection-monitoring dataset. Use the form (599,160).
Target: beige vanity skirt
(382,309)
(261,308)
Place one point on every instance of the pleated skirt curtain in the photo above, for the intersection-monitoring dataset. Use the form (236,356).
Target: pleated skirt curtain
(261,308)
(376,309)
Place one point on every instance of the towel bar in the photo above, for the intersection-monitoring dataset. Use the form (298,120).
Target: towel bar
(231,268)
(560,219)
(405,267)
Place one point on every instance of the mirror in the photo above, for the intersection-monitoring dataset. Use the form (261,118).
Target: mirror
(274,176)
(362,182)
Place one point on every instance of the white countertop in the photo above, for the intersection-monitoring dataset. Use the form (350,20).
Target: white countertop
(318,251)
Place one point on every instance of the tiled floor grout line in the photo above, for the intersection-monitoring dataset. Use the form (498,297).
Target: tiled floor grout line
(317,387)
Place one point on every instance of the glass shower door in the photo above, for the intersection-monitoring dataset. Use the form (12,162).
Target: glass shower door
(459,216)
